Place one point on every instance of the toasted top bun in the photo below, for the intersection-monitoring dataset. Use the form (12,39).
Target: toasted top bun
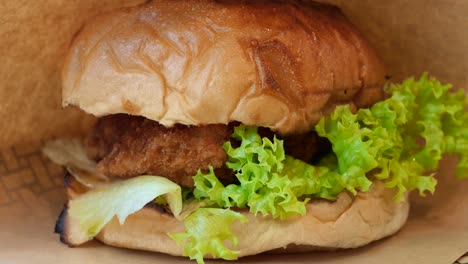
(280,65)
(350,221)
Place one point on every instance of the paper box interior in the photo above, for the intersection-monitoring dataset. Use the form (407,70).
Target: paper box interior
(411,36)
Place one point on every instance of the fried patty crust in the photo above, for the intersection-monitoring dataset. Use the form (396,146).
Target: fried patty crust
(127,146)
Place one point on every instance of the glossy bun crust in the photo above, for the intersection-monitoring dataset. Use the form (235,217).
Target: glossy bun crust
(280,65)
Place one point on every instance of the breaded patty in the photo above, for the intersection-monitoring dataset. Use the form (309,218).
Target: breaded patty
(127,146)
(146,147)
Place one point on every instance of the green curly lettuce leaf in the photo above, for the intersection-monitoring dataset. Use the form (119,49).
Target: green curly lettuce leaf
(402,137)
(207,230)
(270,182)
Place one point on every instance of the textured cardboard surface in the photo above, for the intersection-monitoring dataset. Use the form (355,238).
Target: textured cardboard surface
(34,36)
(411,36)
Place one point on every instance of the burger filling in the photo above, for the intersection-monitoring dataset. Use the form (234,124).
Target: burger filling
(224,168)
(128,146)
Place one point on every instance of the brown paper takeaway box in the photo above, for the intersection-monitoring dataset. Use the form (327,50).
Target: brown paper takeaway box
(411,36)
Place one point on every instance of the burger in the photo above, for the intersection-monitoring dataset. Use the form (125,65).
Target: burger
(231,128)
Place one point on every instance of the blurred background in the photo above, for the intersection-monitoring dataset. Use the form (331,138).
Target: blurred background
(411,36)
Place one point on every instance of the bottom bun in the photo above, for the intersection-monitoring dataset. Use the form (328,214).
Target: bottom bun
(351,221)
